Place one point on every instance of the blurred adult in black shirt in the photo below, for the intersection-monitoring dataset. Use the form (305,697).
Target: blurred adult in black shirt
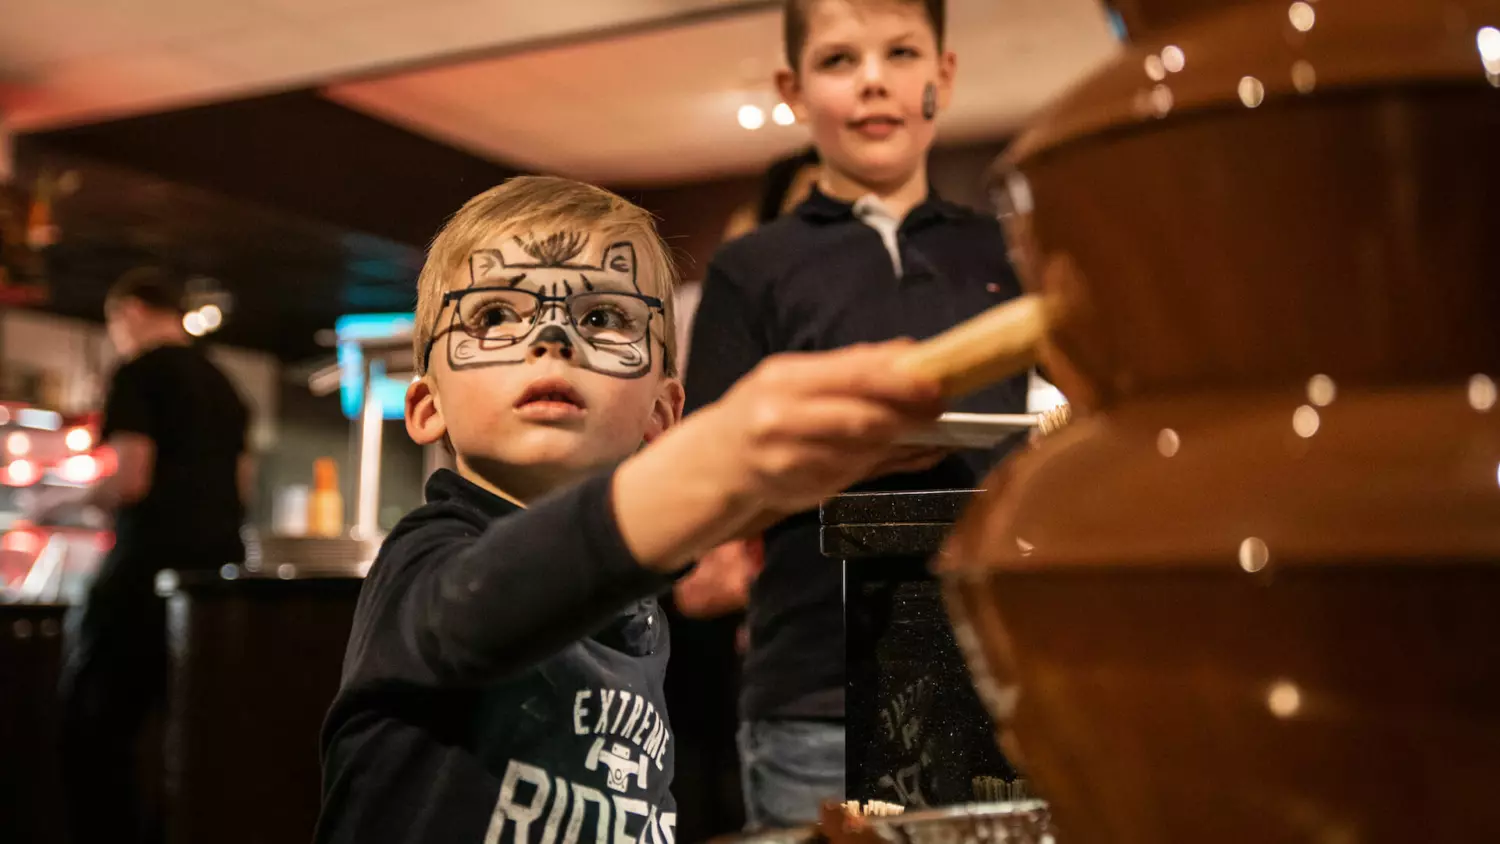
(178,427)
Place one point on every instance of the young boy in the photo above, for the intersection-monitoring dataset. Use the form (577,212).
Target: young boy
(503,680)
(872,254)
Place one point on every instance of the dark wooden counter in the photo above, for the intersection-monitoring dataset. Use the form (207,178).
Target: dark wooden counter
(30,716)
(256,663)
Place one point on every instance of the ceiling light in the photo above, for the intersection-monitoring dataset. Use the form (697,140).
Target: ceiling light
(212,317)
(782,114)
(752,117)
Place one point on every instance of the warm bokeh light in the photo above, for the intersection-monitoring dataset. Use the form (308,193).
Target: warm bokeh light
(752,117)
(79,439)
(18,444)
(22,473)
(192,323)
(79,469)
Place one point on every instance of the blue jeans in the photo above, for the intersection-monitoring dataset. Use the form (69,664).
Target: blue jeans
(789,768)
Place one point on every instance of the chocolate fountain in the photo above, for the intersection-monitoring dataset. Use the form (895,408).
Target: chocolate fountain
(1252,593)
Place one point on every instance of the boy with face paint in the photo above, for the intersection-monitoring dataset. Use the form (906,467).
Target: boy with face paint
(872,254)
(504,675)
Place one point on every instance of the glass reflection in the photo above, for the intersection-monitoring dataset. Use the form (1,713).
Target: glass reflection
(1304,77)
(1305,421)
(1155,69)
(1168,442)
(1161,100)
(1481,393)
(1302,16)
(1252,92)
(1254,554)
(1284,699)
(1488,41)
(1173,59)
(1321,390)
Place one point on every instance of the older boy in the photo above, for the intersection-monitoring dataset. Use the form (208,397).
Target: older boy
(503,680)
(872,254)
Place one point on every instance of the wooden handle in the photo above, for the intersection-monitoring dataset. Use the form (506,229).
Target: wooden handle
(990,347)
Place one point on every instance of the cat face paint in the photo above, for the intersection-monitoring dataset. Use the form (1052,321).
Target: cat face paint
(549,302)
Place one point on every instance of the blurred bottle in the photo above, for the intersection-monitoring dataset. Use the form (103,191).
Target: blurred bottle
(289,512)
(325,506)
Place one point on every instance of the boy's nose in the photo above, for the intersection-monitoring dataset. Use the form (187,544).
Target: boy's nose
(552,340)
(872,75)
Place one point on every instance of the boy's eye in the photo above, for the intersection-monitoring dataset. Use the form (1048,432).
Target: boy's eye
(604,318)
(493,318)
(905,53)
(498,315)
(834,60)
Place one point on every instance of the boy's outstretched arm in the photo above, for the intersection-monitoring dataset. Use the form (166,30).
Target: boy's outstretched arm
(472,606)
(798,428)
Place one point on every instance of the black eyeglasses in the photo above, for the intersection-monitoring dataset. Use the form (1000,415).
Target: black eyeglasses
(505,316)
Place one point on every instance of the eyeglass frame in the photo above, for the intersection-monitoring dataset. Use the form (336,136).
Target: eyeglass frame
(453,297)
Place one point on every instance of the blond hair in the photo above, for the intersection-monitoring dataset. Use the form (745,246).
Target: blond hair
(528,204)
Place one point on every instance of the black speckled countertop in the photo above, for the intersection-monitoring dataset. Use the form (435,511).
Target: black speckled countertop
(917,733)
(873,525)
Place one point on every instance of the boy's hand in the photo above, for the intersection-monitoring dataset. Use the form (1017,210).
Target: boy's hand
(797,429)
(802,427)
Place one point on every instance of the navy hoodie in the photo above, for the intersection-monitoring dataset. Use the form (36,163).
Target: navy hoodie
(503,681)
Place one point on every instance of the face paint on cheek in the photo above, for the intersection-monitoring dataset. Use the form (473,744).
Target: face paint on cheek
(622,360)
(929,101)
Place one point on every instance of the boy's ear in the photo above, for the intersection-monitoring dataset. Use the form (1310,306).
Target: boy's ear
(424,418)
(666,411)
(790,88)
(947,70)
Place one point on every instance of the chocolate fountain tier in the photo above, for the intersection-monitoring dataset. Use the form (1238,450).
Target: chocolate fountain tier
(1223,228)
(1244,617)
(1247,596)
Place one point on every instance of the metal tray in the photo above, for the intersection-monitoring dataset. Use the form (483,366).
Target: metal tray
(1022,822)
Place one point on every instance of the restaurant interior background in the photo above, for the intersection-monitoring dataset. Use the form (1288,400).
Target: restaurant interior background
(293,157)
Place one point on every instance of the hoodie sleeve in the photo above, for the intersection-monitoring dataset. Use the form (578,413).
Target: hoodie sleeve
(451,605)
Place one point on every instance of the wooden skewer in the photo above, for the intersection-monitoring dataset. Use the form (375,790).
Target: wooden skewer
(990,347)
